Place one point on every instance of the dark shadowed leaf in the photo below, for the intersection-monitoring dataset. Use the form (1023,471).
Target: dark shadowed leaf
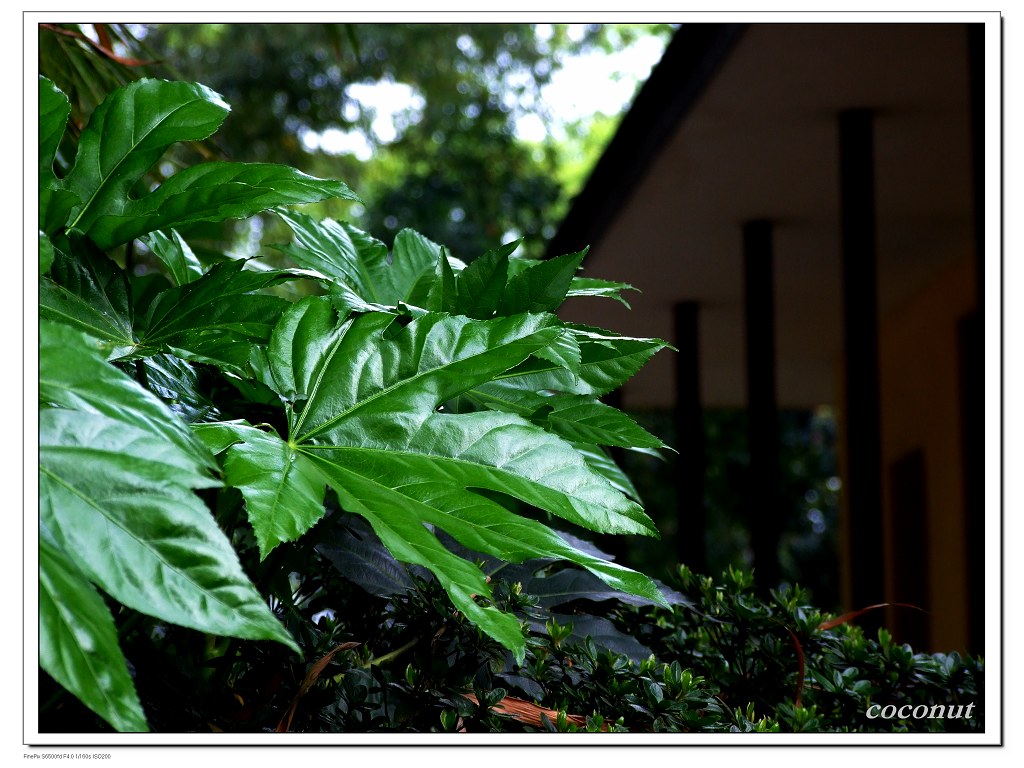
(358,555)
(176,382)
(570,584)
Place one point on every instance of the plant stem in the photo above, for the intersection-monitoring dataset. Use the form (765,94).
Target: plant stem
(390,655)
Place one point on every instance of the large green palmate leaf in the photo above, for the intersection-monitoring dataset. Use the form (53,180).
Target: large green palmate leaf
(117,473)
(363,418)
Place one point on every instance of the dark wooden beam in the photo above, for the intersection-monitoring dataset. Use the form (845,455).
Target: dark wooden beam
(691,526)
(862,418)
(762,491)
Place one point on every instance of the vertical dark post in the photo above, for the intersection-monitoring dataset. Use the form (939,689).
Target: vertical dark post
(690,543)
(763,508)
(860,336)
(972,360)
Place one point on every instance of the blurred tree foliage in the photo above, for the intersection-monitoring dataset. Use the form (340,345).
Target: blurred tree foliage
(448,163)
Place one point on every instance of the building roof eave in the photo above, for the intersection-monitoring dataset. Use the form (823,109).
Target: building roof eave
(689,63)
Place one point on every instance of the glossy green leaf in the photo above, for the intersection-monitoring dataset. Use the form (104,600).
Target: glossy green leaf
(564,352)
(362,273)
(582,419)
(482,284)
(89,292)
(589,286)
(54,202)
(117,473)
(494,451)
(45,253)
(128,133)
(441,296)
(212,192)
(607,361)
(78,643)
(442,499)
(175,253)
(283,490)
(603,464)
(54,110)
(410,542)
(429,361)
(542,287)
(215,318)
(342,254)
(70,377)
(300,345)
(218,436)
(411,249)
(121,499)
(577,418)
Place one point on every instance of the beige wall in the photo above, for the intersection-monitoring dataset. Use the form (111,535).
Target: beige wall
(921,408)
